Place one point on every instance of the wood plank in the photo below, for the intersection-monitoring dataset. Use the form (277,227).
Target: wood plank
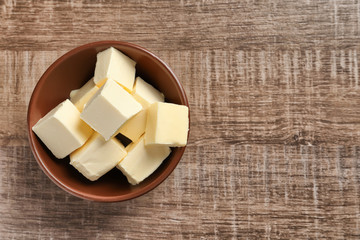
(184,25)
(293,96)
(229,191)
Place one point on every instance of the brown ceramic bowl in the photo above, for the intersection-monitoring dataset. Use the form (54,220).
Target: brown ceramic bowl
(70,72)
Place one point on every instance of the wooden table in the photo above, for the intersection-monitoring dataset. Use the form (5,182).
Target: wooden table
(274,149)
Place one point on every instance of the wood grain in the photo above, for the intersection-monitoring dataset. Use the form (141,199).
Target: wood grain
(274,148)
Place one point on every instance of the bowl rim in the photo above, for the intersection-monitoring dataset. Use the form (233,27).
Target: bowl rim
(89,196)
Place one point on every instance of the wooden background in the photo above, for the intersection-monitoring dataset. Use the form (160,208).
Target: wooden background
(274,149)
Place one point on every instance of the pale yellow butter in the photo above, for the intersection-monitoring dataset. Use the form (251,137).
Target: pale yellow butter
(135,126)
(97,156)
(109,108)
(146,94)
(62,130)
(111,63)
(81,96)
(167,124)
(141,161)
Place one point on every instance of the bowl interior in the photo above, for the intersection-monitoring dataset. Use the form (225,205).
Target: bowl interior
(70,72)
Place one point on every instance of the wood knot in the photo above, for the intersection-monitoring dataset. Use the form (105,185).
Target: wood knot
(300,138)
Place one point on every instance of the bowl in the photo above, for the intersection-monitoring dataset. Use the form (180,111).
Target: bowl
(71,71)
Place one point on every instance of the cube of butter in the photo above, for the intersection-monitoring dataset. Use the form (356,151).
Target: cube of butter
(81,96)
(141,161)
(97,156)
(146,94)
(109,108)
(62,130)
(135,126)
(111,63)
(167,124)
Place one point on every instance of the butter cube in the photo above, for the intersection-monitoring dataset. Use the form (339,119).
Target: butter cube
(167,124)
(111,63)
(62,130)
(146,94)
(109,108)
(141,161)
(81,96)
(97,156)
(135,126)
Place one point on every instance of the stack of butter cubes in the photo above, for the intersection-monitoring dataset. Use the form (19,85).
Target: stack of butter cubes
(114,102)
